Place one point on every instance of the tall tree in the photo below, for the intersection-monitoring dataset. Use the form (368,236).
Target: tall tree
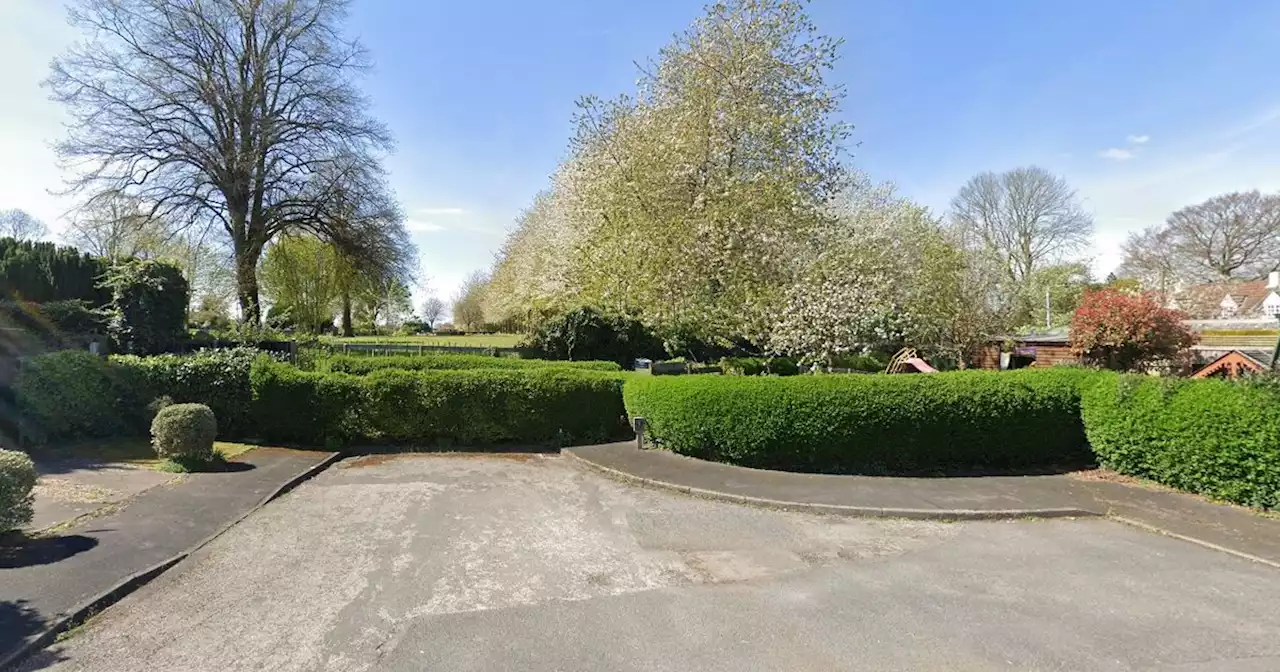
(21,225)
(468,306)
(116,225)
(300,278)
(684,196)
(1234,235)
(432,311)
(220,111)
(1151,258)
(1028,215)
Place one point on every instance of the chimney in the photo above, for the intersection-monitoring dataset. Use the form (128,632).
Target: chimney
(1273,280)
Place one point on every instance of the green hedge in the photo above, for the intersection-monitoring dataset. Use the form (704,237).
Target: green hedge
(365,365)
(1215,437)
(869,424)
(218,379)
(759,366)
(73,394)
(540,406)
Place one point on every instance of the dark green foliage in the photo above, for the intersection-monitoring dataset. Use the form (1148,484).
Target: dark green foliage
(76,395)
(543,406)
(875,362)
(184,432)
(586,334)
(17,480)
(73,316)
(1215,437)
(148,308)
(759,366)
(869,424)
(217,378)
(364,365)
(43,272)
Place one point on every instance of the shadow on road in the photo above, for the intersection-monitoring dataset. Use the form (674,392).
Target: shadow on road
(26,552)
(17,623)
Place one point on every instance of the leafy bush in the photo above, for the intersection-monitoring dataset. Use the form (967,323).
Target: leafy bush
(759,366)
(148,308)
(869,424)
(184,432)
(536,406)
(73,394)
(217,378)
(17,480)
(586,334)
(873,362)
(1127,332)
(1215,437)
(364,365)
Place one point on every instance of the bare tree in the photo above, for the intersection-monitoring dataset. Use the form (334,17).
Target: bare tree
(432,311)
(1150,258)
(116,225)
(21,225)
(1234,235)
(1028,215)
(220,111)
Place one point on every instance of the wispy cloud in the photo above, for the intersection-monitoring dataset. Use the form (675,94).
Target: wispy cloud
(441,211)
(422,226)
(1116,154)
(1139,139)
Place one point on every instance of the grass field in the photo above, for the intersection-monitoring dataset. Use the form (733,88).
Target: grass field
(468,341)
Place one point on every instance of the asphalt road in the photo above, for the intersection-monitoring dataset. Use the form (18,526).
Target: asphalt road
(530,563)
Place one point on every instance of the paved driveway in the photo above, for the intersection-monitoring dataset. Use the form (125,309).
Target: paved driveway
(530,563)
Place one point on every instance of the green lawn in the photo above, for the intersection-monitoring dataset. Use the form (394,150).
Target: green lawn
(468,341)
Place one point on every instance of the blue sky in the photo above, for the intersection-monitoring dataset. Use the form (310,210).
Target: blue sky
(1144,106)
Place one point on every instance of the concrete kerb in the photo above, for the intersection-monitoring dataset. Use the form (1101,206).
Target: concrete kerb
(135,581)
(1199,542)
(837,509)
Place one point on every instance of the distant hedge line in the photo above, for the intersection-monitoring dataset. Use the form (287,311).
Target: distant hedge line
(365,365)
(869,424)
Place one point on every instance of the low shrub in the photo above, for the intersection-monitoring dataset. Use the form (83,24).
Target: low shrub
(869,424)
(17,480)
(1214,437)
(451,362)
(587,334)
(184,432)
(216,378)
(759,366)
(536,406)
(73,394)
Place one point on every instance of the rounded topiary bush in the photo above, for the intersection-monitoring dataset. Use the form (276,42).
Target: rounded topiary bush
(17,479)
(184,432)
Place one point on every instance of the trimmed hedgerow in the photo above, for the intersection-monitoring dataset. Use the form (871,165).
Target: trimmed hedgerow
(538,406)
(759,366)
(451,362)
(869,424)
(1214,437)
(74,394)
(217,378)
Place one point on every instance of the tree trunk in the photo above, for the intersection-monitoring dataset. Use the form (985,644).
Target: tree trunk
(347,329)
(247,283)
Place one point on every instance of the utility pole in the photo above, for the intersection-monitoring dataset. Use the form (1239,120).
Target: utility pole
(1048,321)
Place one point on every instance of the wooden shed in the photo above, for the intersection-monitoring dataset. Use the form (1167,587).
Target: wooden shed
(1049,348)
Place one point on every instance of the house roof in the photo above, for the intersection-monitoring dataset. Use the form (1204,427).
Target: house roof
(1205,301)
(1055,336)
(1230,364)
